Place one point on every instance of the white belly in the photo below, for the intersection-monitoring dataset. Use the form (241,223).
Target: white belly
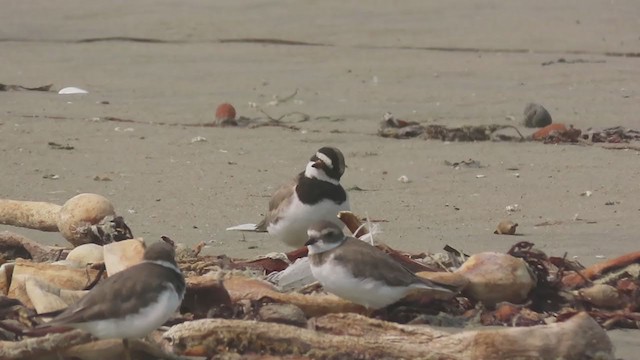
(294,222)
(136,325)
(370,293)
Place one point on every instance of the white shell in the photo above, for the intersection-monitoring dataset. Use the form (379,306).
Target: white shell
(72,91)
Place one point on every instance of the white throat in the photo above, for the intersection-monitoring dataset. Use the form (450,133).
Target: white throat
(312,172)
(321,246)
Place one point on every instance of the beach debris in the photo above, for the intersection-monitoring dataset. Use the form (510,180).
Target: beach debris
(613,269)
(512,208)
(340,335)
(557,133)
(497,277)
(56,146)
(616,134)
(573,61)
(506,227)
(283,314)
(536,116)
(398,129)
(122,254)
(226,115)
(61,276)
(602,295)
(472,164)
(47,297)
(72,90)
(404,179)
(13,246)
(7,87)
(82,219)
(196,139)
(226,297)
(86,254)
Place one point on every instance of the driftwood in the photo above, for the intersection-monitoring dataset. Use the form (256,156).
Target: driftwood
(37,347)
(582,278)
(243,288)
(77,344)
(14,246)
(74,219)
(356,337)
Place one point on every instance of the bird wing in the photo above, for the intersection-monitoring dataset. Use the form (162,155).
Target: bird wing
(387,270)
(120,295)
(280,199)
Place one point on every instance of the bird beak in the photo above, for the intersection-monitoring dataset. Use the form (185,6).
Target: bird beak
(318,164)
(311,241)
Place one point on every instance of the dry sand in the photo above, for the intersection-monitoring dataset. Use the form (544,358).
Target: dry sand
(449,63)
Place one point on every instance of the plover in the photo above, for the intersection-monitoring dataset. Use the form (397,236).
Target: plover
(132,303)
(315,194)
(356,271)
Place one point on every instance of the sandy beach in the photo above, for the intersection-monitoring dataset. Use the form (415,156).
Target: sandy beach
(166,65)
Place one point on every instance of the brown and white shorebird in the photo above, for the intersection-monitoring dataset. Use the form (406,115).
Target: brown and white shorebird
(363,274)
(314,194)
(133,302)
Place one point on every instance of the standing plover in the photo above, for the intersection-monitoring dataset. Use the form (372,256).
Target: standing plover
(315,194)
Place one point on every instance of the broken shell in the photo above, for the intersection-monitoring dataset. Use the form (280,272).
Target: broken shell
(506,227)
(535,115)
(60,276)
(496,277)
(602,295)
(79,213)
(123,254)
(6,271)
(86,254)
(46,297)
(72,90)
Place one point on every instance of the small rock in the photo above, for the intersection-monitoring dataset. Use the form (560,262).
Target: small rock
(536,115)
(283,313)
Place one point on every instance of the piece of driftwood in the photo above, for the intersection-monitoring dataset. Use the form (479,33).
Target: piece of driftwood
(73,219)
(36,348)
(242,288)
(13,245)
(352,336)
(576,280)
